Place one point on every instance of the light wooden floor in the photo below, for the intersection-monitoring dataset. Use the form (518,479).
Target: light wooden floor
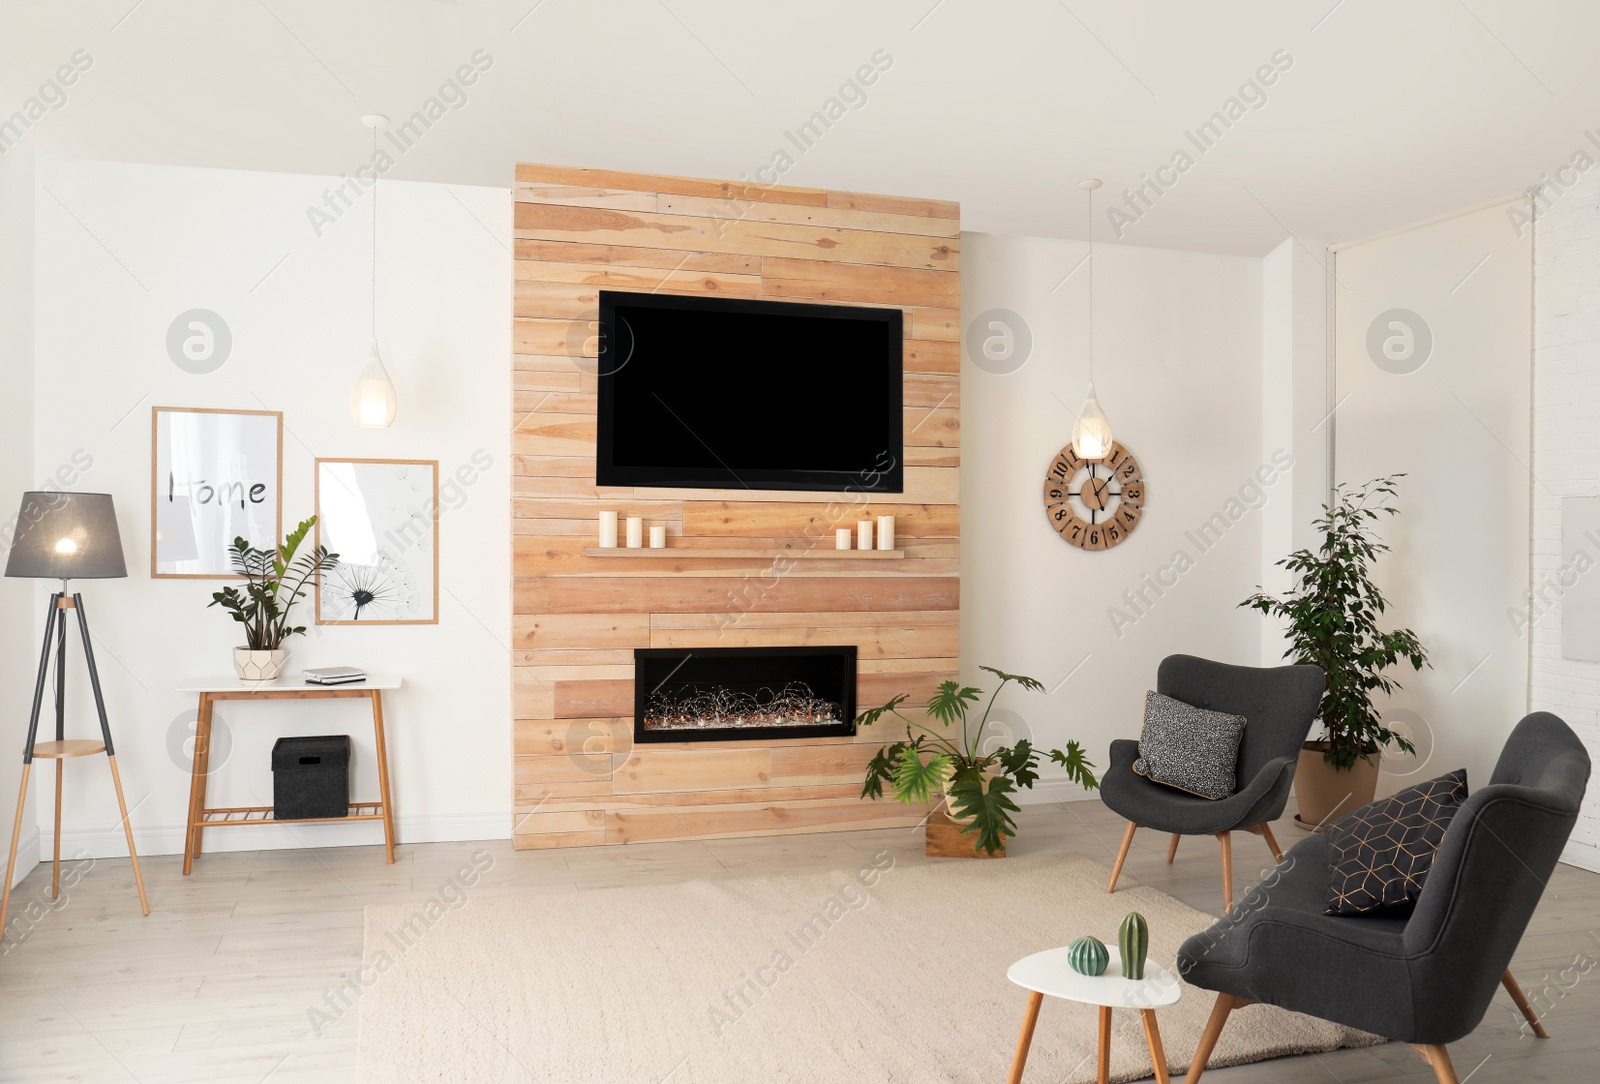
(217,984)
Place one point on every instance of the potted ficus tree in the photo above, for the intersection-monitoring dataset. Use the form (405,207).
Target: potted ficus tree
(275,579)
(1333,615)
(976,783)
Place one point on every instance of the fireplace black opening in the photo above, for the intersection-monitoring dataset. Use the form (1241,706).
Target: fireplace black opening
(743,693)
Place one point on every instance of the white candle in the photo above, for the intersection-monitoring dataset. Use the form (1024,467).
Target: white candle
(635,532)
(886,532)
(608,530)
(841,538)
(864,535)
(658,536)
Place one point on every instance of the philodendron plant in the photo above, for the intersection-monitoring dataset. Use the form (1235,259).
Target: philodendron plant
(978,782)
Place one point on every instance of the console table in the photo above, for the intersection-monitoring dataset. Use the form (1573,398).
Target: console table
(212,690)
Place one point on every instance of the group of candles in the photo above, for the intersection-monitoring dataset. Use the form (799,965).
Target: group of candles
(863,533)
(635,529)
(634,526)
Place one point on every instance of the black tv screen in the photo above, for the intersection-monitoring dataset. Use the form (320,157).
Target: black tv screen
(730,394)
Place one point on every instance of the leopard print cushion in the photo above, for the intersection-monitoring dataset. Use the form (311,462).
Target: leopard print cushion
(1189,748)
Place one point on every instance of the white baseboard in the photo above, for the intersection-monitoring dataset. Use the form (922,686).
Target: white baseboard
(28,852)
(168,839)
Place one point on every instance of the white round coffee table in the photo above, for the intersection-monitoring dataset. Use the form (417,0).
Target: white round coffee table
(1049,973)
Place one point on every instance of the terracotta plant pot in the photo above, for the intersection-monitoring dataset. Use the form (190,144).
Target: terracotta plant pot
(1325,793)
(258,667)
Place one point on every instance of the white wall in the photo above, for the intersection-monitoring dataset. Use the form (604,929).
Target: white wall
(1294,410)
(1566,462)
(1458,427)
(1178,349)
(18,648)
(123,250)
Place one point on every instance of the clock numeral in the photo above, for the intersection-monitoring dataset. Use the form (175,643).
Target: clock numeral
(1130,471)
(1132,494)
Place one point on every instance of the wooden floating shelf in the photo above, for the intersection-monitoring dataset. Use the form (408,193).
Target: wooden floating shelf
(746,553)
(262,814)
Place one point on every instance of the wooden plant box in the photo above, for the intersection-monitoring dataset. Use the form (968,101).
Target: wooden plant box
(946,841)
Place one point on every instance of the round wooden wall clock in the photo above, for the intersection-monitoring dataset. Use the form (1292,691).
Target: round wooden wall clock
(1094,505)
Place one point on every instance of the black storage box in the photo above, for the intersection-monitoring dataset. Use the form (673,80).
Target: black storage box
(311,777)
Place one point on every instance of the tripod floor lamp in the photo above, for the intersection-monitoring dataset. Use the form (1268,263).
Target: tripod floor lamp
(65,536)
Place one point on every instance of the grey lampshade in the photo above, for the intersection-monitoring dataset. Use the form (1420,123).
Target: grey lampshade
(66,536)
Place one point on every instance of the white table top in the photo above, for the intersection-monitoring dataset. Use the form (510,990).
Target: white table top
(1049,972)
(212,683)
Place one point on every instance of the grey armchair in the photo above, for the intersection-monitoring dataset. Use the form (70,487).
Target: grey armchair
(1280,704)
(1425,978)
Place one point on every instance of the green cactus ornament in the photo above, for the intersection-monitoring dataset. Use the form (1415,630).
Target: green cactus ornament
(1088,956)
(1133,944)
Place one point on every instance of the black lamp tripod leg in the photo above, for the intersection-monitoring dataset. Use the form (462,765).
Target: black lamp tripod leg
(111,755)
(27,758)
(94,673)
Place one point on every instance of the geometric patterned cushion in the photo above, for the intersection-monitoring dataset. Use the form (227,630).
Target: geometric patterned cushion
(1189,748)
(1380,855)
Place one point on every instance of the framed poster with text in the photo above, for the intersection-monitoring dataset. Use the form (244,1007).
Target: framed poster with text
(215,475)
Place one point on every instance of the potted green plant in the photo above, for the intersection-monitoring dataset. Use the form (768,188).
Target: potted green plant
(977,784)
(1333,613)
(275,579)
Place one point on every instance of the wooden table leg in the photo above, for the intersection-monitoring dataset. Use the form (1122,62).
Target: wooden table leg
(1104,1046)
(383,775)
(1152,1035)
(197,781)
(1030,1017)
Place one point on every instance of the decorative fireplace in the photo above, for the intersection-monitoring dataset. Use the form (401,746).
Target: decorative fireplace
(741,693)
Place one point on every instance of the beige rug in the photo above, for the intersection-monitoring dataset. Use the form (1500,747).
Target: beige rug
(815,978)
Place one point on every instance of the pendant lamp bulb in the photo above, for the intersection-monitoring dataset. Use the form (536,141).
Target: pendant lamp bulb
(1091,436)
(373,400)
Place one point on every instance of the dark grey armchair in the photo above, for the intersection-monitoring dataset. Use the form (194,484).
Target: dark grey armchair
(1425,978)
(1280,704)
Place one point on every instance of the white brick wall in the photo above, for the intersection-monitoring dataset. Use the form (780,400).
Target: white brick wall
(1566,457)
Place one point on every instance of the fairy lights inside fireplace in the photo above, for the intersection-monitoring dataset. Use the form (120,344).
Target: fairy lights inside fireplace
(743,693)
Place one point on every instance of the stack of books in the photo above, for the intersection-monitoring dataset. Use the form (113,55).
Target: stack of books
(333,675)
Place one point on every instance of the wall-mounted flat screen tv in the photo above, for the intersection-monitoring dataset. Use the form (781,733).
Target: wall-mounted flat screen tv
(714,393)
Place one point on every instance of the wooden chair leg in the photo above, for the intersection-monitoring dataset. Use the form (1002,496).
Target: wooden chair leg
(1224,1005)
(1122,856)
(11,862)
(1152,1035)
(1515,990)
(1272,842)
(1226,838)
(1030,1017)
(1172,848)
(1437,1056)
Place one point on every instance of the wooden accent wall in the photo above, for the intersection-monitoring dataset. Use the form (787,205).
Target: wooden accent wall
(577,618)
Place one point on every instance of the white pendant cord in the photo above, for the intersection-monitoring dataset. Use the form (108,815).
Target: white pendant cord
(1091,290)
(374,167)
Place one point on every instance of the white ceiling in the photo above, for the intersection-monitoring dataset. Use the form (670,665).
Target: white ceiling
(1392,112)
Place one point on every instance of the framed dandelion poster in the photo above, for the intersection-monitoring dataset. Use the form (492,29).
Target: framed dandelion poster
(381,516)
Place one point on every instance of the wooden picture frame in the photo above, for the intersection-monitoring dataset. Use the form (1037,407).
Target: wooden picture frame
(382,517)
(201,458)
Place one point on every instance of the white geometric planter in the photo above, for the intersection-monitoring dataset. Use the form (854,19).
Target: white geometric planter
(258,667)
